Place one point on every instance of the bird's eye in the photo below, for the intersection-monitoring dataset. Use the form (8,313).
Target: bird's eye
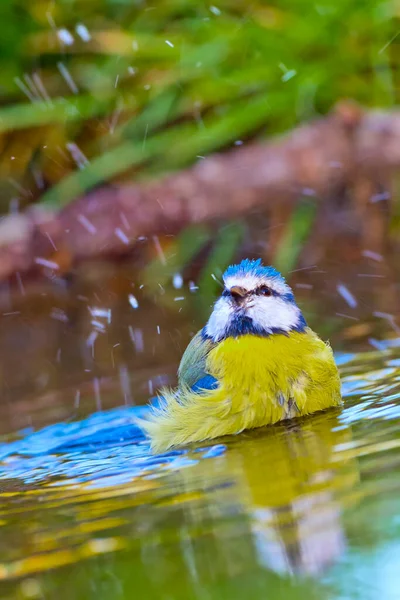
(264,290)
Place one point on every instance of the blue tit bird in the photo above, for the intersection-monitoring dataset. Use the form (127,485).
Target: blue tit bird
(256,362)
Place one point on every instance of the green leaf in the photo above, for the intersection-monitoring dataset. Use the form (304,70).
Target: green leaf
(59,110)
(296,233)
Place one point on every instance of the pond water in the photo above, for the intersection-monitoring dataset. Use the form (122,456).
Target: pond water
(306,509)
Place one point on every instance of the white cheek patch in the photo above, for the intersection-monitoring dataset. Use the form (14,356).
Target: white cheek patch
(251,282)
(270,313)
(219,320)
(267,314)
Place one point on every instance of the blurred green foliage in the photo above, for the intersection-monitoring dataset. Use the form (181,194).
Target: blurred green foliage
(125,81)
(93,91)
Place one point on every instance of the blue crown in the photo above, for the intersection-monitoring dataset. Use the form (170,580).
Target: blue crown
(252,267)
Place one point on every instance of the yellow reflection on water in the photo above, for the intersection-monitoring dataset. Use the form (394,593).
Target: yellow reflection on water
(289,486)
(279,491)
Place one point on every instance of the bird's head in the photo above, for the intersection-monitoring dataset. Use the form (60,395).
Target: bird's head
(256,300)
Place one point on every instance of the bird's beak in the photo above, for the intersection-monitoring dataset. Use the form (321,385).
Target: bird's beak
(238,292)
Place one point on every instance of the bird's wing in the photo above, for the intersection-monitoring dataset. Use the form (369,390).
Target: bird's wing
(192,369)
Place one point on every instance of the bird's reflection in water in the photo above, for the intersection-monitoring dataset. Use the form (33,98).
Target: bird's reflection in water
(296,511)
(304,536)
(268,508)
(288,485)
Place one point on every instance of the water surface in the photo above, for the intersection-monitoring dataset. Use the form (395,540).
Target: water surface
(307,509)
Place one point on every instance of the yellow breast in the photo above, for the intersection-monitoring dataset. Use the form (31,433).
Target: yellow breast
(276,377)
(262,380)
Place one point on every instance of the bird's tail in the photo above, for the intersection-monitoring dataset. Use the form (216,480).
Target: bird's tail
(183,417)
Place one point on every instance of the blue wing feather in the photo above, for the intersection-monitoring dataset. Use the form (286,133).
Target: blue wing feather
(208,382)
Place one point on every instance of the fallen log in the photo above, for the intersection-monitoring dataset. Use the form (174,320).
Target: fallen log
(349,150)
